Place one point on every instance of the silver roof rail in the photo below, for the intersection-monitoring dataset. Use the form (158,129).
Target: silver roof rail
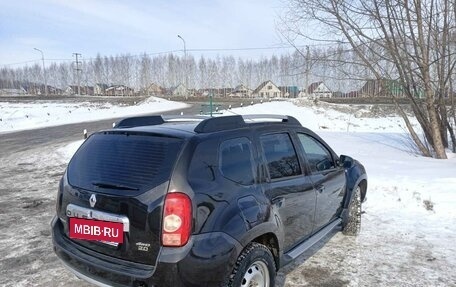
(183,118)
(265,117)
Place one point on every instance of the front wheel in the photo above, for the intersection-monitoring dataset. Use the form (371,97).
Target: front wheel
(353,225)
(254,267)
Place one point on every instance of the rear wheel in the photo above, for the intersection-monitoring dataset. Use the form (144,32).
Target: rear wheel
(255,267)
(353,225)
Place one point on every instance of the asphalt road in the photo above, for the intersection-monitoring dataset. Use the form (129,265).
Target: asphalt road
(29,139)
(25,140)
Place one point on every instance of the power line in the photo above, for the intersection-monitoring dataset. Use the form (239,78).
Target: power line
(237,49)
(133,56)
(24,62)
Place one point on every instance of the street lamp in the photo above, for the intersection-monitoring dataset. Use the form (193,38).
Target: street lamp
(44,72)
(185,67)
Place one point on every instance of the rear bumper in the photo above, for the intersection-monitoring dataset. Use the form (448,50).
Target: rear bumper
(85,277)
(205,261)
(94,267)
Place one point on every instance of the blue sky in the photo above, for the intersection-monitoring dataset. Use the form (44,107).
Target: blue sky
(60,28)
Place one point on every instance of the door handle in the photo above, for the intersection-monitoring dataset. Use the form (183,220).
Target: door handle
(321,188)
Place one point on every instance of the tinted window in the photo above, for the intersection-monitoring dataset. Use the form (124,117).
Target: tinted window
(318,156)
(236,160)
(130,162)
(280,155)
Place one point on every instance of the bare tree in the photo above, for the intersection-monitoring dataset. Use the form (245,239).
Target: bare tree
(192,71)
(145,71)
(411,37)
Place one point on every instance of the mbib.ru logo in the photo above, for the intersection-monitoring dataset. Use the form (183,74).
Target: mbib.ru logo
(96,230)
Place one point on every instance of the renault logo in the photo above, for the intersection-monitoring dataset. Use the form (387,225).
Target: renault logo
(92,200)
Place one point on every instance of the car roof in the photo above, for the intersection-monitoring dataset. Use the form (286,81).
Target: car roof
(201,124)
(188,127)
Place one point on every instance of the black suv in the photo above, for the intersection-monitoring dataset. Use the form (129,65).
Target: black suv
(223,201)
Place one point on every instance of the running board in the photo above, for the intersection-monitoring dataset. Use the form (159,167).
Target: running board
(301,248)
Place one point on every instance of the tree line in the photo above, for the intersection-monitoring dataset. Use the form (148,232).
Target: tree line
(169,70)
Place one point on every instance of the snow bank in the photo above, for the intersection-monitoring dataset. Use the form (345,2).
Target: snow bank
(67,151)
(321,118)
(400,180)
(24,116)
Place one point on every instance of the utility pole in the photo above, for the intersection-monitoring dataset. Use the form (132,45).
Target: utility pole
(185,67)
(77,71)
(307,70)
(44,72)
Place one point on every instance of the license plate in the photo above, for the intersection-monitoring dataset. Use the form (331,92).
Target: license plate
(96,230)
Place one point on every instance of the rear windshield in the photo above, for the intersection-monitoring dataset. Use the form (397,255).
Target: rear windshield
(123,162)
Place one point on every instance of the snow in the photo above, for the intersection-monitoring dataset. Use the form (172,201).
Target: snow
(67,151)
(324,118)
(408,234)
(25,116)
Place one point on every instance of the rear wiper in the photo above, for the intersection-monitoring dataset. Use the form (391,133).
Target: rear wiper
(114,186)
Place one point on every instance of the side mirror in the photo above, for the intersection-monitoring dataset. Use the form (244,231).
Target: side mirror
(345,161)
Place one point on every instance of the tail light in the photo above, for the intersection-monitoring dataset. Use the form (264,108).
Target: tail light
(177,220)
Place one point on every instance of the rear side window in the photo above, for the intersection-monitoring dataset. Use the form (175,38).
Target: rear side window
(318,156)
(236,162)
(123,161)
(280,155)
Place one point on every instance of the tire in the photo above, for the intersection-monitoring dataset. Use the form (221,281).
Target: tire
(353,225)
(254,267)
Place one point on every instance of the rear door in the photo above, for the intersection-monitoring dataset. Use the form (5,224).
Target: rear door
(327,177)
(289,189)
(123,175)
